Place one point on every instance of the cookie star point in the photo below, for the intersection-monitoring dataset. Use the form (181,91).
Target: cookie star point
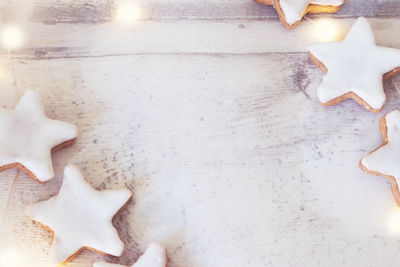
(355,68)
(81,217)
(28,136)
(154,256)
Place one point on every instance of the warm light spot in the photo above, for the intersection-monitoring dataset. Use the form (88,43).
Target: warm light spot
(11,36)
(10,258)
(393,223)
(128,12)
(326,30)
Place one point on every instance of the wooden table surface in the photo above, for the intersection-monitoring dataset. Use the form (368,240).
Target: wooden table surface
(207,111)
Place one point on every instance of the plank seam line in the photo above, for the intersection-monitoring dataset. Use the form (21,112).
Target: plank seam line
(211,19)
(217,54)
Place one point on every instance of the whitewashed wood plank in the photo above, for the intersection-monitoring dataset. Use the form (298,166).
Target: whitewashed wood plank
(92,11)
(231,159)
(186,37)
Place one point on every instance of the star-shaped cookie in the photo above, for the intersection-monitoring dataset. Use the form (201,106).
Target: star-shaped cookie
(154,256)
(355,68)
(292,11)
(385,160)
(80,217)
(27,137)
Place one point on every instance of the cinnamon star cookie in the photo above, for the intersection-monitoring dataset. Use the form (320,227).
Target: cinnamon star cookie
(80,217)
(385,160)
(27,137)
(292,11)
(355,68)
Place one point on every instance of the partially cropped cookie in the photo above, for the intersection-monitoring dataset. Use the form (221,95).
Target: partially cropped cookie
(292,11)
(80,217)
(28,136)
(154,256)
(385,160)
(355,68)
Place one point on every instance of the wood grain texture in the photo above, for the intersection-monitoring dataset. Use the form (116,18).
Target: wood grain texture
(226,38)
(215,127)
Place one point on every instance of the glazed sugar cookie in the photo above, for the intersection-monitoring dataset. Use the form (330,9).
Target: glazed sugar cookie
(292,11)
(154,256)
(355,68)
(27,137)
(385,160)
(80,217)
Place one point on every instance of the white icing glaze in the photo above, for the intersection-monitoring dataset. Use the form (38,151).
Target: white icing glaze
(154,256)
(356,65)
(294,9)
(386,159)
(27,136)
(80,216)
